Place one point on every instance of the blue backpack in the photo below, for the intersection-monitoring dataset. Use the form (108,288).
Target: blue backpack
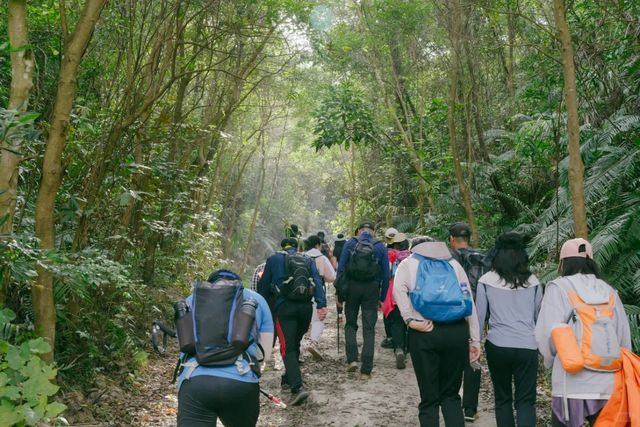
(438,295)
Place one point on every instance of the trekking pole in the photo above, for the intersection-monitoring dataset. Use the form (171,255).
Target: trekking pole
(274,399)
(338,329)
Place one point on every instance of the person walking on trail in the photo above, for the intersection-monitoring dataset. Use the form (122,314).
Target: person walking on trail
(432,292)
(338,245)
(387,342)
(229,392)
(580,311)
(509,298)
(474,266)
(365,266)
(257,274)
(398,252)
(293,279)
(328,275)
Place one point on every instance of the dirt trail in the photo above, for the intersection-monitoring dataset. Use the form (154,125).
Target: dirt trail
(338,398)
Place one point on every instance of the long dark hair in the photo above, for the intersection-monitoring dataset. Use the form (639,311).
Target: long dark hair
(510,260)
(575,265)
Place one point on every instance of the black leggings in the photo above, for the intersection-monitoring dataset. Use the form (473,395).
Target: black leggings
(204,399)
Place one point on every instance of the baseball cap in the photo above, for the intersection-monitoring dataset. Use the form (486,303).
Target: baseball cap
(578,247)
(400,237)
(459,229)
(366,224)
(390,233)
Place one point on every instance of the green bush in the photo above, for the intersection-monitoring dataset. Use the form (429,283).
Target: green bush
(26,381)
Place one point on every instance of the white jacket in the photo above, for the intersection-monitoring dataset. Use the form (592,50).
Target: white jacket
(556,308)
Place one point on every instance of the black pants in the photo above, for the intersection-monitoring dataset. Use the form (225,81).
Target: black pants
(204,399)
(387,327)
(292,321)
(439,357)
(519,365)
(398,330)
(363,296)
(470,388)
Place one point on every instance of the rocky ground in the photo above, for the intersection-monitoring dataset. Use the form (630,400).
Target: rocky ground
(339,398)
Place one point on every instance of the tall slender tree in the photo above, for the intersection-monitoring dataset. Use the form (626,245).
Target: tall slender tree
(75,46)
(576,166)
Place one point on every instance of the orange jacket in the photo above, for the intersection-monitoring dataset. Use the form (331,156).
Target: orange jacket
(623,408)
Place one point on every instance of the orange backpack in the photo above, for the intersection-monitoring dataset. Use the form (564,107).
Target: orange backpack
(599,348)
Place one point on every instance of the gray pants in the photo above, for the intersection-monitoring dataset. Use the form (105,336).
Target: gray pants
(363,296)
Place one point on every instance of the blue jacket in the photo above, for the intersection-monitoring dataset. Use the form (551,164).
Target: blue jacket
(380,252)
(274,272)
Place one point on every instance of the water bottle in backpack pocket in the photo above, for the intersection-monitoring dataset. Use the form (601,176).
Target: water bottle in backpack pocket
(184,327)
(438,296)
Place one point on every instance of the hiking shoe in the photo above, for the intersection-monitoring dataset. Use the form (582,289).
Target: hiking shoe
(387,343)
(284,384)
(313,349)
(470,414)
(353,366)
(401,360)
(299,397)
(365,377)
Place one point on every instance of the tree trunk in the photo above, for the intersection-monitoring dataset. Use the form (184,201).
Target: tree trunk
(75,47)
(451,122)
(22,64)
(576,167)
(256,209)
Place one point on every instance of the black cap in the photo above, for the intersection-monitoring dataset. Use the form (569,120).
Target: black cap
(459,229)
(366,224)
(340,236)
(289,241)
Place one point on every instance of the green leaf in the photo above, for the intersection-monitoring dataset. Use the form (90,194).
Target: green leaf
(28,117)
(10,392)
(54,409)
(9,415)
(32,415)
(38,386)
(39,345)
(15,359)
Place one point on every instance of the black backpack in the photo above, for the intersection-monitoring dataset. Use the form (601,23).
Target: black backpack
(474,265)
(298,283)
(337,248)
(217,328)
(362,265)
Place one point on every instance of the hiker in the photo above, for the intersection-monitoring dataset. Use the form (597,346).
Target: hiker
(474,266)
(580,392)
(365,266)
(338,244)
(293,279)
(509,298)
(443,338)
(324,246)
(328,275)
(230,391)
(257,274)
(398,251)
(387,342)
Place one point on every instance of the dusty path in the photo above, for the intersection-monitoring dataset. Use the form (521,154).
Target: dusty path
(389,398)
